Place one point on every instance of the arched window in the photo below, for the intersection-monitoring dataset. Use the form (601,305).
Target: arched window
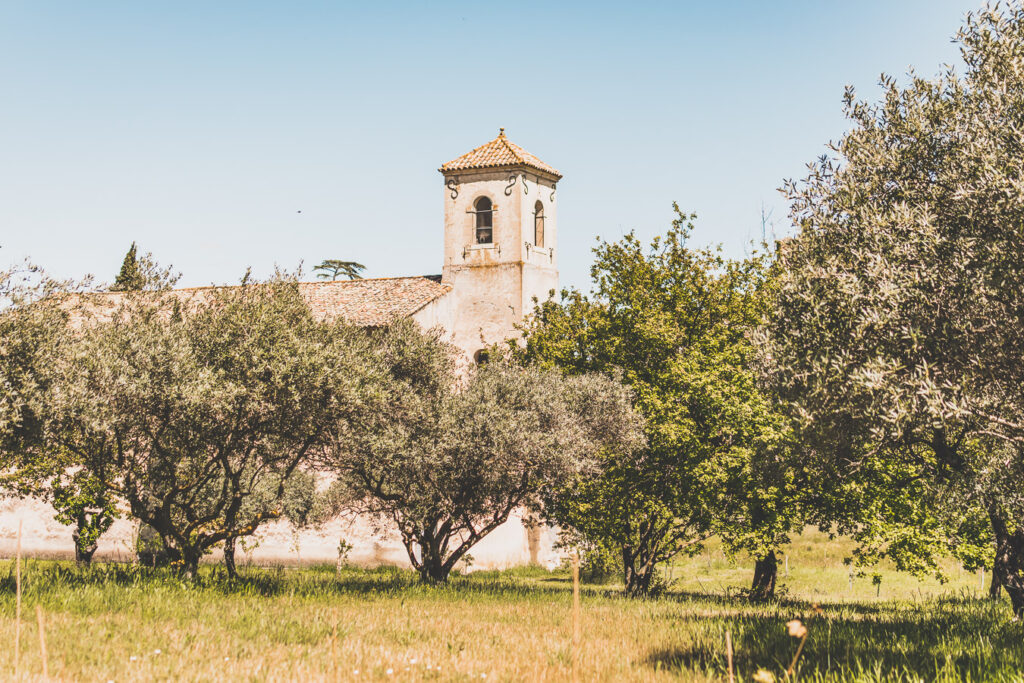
(484,220)
(538,224)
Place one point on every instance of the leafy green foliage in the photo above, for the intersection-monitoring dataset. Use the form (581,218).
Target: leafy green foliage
(898,332)
(449,461)
(673,323)
(142,273)
(201,410)
(83,501)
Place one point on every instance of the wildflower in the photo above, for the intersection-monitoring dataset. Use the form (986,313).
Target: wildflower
(156,652)
(796,628)
(412,661)
(227,658)
(133,658)
(389,672)
(763,676)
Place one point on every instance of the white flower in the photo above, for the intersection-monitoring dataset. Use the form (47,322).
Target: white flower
(227,658)
(412,661)
(133,658)
(389,672)
(156,652)
(796,628)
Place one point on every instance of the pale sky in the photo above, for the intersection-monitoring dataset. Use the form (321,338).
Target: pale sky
(202,129)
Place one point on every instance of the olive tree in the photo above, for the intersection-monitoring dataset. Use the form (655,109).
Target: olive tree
(199,409)
(33,330)
(899,329)
(454,455)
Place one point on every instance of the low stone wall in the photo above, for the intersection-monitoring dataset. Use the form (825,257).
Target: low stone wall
(510,545)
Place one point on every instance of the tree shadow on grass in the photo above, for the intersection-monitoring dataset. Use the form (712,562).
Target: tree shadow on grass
(975,640)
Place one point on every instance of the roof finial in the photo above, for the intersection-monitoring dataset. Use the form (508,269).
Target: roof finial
(501,132)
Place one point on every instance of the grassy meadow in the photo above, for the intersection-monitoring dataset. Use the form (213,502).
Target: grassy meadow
(124,623)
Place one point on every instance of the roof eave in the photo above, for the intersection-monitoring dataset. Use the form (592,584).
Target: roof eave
(553,175)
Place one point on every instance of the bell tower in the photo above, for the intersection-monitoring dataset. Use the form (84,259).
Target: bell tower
(500,239)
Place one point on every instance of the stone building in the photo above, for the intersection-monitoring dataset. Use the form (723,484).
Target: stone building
(500,251)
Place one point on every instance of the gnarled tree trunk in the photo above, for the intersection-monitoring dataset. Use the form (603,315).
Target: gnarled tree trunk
(83,552)
(229,557)
(1009,562)
(639,572)
(766,571)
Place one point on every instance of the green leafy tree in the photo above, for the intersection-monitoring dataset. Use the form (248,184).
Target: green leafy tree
(332,269)
(82,501)
(200,409)
(450,460)
(143,273)
(898,333)
(33,330)
(130,278)
(676,323)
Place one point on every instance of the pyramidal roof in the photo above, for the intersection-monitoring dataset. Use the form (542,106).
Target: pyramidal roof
(499,152)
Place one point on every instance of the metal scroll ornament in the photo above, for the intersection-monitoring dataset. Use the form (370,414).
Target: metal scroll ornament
(552,197)
(453,185)
(511,183)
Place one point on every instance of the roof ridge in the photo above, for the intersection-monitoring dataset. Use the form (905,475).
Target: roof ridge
(366,279)
(199,288)
(511,146)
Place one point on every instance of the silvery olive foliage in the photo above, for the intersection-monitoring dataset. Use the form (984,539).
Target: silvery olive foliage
(899,330)
(201,410)
(674,324)
(31,324)
(33,330)
(456,453)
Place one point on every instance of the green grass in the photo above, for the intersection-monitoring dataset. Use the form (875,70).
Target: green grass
(316,624)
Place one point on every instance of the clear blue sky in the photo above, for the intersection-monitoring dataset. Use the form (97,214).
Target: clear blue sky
(200,129)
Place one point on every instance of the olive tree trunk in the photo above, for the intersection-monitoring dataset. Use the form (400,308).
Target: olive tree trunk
(229,557)
(1009,562)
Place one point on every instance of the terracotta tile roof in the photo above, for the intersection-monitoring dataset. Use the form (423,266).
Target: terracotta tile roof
(369,302)
(373,301)
(497,153)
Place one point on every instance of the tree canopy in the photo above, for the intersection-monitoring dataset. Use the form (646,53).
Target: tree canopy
(332,269)
(897,336)
(675,322)
(201,412)
(452,458)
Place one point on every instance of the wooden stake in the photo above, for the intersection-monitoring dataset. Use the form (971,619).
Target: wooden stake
(17,608)
(576,617)
(728,654)
(42,641)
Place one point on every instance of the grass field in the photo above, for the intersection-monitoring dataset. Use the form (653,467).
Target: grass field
(123,623)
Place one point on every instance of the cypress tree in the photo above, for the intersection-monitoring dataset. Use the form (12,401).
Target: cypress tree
(130,279)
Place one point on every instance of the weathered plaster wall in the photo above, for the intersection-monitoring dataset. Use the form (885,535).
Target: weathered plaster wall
(42,536)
